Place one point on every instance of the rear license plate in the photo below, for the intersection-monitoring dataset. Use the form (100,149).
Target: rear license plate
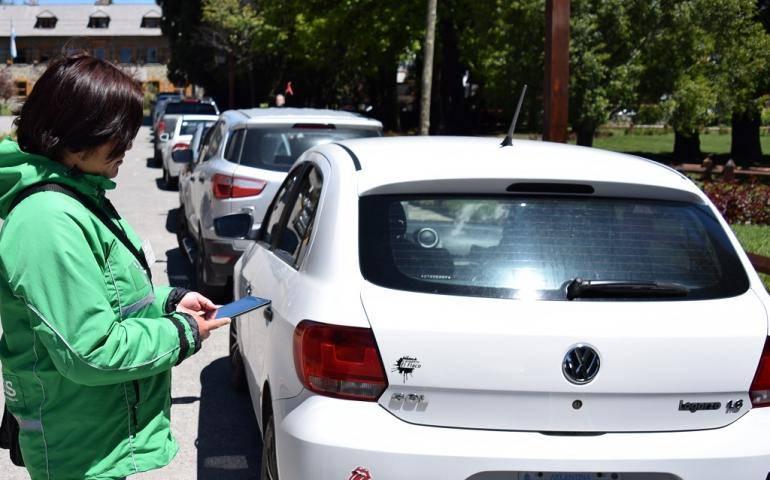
(568,476)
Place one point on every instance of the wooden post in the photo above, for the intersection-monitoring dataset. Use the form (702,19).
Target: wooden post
(556,83)
(427,68)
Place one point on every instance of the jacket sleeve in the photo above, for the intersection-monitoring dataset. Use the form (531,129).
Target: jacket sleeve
(167,298)
(60,278)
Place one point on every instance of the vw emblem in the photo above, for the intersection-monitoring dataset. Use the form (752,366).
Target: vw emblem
(581,364)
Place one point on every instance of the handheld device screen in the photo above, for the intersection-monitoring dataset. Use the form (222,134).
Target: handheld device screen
(239,307)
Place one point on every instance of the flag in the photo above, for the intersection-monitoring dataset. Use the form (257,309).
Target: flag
(289,89)
(13,41)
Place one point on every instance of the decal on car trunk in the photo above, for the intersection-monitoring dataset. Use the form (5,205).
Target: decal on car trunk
(360,473)
(406,366)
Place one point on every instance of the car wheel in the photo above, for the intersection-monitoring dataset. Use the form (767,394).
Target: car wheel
(181,228)
(215,293)
(269,465)
(166,180)
(237,370)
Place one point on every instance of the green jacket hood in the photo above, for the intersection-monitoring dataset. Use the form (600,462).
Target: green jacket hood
(19,170)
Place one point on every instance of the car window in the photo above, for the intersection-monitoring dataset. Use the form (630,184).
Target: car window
(190,108)
(271,223)
(531,247)
(295,236)
(188,127)
(233,148)
(213,140)
(277,148)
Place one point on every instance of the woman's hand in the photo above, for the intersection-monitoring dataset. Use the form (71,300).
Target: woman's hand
(203,311)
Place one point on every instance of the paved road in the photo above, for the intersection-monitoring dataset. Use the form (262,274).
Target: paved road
(216,428)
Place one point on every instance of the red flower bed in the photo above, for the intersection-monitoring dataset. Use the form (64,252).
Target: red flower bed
(741,202)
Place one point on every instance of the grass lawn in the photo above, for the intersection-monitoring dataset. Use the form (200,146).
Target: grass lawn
(661,145)
(755,239)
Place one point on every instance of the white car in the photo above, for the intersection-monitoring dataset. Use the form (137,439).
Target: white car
(178,138)
(446,308)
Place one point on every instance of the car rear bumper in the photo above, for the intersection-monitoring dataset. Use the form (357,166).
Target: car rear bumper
(174,168)
(329,438)
(221,256)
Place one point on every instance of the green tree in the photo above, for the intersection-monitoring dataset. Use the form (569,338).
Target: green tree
(604,63)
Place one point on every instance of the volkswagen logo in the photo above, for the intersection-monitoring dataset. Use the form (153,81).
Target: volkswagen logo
(581,364)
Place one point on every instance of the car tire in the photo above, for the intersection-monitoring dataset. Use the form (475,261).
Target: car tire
(237,369)
(166,183)
(268,469)
(181,229)
(215,293)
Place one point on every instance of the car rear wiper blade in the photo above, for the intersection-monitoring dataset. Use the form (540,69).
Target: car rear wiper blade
(578,287)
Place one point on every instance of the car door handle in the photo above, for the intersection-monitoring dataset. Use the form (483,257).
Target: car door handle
(269,314)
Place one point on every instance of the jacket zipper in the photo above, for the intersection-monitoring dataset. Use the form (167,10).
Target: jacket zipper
(135,407)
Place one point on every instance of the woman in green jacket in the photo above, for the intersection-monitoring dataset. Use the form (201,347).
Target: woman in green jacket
(88,343)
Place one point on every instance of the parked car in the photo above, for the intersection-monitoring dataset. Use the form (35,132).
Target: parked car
(243,160)
(160,103)
(450,308)
(168,114)
(180,136)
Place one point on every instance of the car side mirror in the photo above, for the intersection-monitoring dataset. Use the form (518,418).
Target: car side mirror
(164,137)
(234,226)
(182,156)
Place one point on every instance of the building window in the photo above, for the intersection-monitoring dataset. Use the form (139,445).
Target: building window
(150,22)
(21,88)
(99,22)
(125,54)
(45,22)
(99,53)
(152,55)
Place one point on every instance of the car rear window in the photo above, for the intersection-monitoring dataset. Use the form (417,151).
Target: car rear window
(531,247)
(190,108)
(188,127)
(278,148)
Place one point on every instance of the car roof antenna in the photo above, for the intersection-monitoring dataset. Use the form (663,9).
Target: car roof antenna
(508,140)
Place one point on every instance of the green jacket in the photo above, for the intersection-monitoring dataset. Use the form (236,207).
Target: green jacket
(88,343)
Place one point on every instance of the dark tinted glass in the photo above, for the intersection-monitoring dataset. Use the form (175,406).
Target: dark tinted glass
(188,127)
(174,108)
(272,220)
(233,147)
(278,148)
(530,247)
(296,233)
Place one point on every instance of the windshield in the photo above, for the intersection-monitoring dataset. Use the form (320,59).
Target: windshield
(176,108)
(278,148)
(532,247)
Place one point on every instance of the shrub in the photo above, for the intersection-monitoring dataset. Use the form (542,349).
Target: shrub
(743,203)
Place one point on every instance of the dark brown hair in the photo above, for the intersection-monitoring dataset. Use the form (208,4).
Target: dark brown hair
(78,104)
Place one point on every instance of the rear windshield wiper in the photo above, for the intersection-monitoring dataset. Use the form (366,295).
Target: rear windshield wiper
(578,288)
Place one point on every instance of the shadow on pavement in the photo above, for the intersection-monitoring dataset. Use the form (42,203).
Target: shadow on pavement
(179,269)
(151,163)
(229,445)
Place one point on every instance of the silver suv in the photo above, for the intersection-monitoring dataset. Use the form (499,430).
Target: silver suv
(243,160)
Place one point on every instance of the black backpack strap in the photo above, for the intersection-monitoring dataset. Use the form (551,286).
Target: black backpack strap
(94,208)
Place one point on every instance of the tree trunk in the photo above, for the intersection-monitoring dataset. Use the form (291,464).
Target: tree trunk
(585,136)
(230,82)
(687,147)
(452,94)
(252,92)
(427,68)
(745,147)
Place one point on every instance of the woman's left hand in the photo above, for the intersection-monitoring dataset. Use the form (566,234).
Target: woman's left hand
(198,303)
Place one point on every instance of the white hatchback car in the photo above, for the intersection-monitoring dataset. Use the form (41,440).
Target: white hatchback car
(446,308)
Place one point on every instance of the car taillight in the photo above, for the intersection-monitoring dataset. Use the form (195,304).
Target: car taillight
(226,186)
(161,127)
(760,387)
(337,361)
(180,146)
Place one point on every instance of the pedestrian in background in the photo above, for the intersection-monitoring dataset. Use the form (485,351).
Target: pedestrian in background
(88,343)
